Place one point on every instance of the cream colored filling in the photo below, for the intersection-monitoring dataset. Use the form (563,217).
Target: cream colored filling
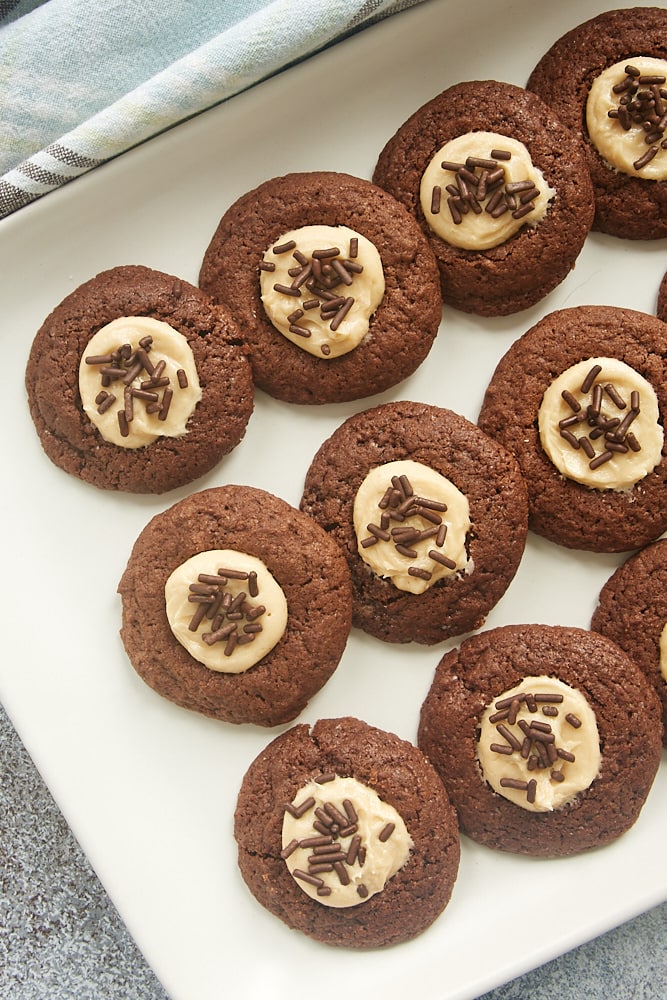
(559,775)
(300,317)
(422,565)
(384,843)
(663,653)
(622,147)
(479,229)
(148,421)
(253,632)
(624,468)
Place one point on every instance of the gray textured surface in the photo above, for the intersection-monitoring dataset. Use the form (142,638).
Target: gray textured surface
(62,939)
(60,936)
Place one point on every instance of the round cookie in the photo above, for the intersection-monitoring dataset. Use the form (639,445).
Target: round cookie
(632,610)
(563,510)
(524,268)
(305,564)
(662,299)
(626,714)
(68,434)
(402,777)
(627,206)
(484,473)
(402,328)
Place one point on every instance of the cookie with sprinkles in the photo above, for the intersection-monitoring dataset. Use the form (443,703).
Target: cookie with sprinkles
(137,382)
(346,834)
(662,299)
(632,610)
(332,282)
(606,79)
(581,400)
(431,515)
(235,605)
(547,738)
(500,188)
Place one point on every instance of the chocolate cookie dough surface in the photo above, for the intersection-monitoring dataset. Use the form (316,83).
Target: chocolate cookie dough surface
(632,610)
(221,577)
(547,738)
(615,63)
(137,382)
(430,513)
(593,461)
(293,260)
(662,299)
(346,834)
(493,165)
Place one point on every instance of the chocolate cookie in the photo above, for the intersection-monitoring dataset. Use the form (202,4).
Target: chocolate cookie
(595,495)
(296,603)
(662,299)
(630,201)
(430,558)
(541,209)
(324,310)
(137,382)
(382,850)
(632,610)
(547,738)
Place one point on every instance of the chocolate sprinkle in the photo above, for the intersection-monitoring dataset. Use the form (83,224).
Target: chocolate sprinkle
(322,275)
(613,433)
(480,185)
(641,106)
(215,603)
(398,503)
(537,744)
(126,365)
(329,855)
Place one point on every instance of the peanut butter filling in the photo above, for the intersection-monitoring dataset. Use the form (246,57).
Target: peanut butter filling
(539,745)
(138,381)
(480,188)
(411,525)
(663,653)
(599,424)
(341,842)
(626,117)
(226,609)
(320,286)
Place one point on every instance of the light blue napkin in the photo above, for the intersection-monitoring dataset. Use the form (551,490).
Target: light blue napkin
(82,81)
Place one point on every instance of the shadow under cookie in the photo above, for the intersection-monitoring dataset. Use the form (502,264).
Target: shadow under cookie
(600,514)
(402,328)
(628,204)
(523,267)
(384,766)
(485,478)
(632,611)
(94,444)
(305,565)
(625,729)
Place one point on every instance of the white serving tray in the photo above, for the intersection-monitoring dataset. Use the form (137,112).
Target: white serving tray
(148,788)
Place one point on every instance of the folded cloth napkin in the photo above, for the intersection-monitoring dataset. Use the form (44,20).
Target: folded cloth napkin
(81,82)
